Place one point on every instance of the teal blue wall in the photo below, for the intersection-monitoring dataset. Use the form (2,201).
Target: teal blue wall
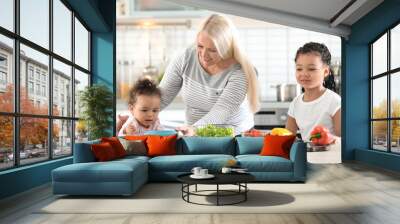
(99,16)
(103,53)
(355,96)
(24,178)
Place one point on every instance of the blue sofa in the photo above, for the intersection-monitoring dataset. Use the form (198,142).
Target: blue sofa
(125,176)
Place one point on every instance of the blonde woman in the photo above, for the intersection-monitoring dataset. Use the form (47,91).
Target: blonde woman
(215,77)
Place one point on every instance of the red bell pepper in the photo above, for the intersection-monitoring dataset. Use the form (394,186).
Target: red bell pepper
(253,133)
(320,135)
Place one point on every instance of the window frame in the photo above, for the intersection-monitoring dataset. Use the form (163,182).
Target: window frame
(16,114)
(388,74)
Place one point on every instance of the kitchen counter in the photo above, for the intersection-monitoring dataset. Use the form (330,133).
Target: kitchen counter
(266,105)
(331,156)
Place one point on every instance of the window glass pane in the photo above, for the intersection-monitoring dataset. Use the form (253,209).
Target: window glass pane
(81,45)
(379,135)
(34,72)
(379,97)
(62,141)
(395,47)
(379,55)
(81,81)
(395,95)
(62,89)
(33,139)
(35,21)
(6,142)
(81,131)
(395,138)
(7,14)
(62,29)
(6,74)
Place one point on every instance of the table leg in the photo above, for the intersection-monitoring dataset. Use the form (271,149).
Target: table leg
(217,194)
(188,192)
(245,193)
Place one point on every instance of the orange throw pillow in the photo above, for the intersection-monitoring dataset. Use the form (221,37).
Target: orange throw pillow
(136,137)
(277,145)
(161,145)
(116,145)
(103,151)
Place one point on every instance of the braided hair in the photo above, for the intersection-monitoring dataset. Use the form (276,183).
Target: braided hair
(323,52)
(143,86)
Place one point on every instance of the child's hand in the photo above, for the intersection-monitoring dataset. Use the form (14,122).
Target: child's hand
(130,129)
(121,121)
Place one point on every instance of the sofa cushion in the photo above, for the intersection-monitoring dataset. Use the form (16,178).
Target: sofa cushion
(136,137)
(116,144)
(257,163)
(83,152)
(185,163)
(249,145)
(97,172)
(103,152)
(207,145)
(134,147)
(161,145)
(277,145)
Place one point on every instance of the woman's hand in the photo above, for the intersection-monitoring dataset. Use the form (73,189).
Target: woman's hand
(186,130)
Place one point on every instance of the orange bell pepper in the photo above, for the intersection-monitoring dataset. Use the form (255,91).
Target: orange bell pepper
(320,135)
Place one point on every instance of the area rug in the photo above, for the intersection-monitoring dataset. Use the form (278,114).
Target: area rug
(167,198)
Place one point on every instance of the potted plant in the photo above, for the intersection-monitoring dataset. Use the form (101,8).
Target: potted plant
(96,103)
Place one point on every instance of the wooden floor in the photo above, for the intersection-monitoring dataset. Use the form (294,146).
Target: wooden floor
(377,188)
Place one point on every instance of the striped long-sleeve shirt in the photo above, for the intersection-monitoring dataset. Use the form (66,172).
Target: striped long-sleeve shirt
(208,99)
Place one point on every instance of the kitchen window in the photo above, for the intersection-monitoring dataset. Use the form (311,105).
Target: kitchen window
(37,110)
(385,97)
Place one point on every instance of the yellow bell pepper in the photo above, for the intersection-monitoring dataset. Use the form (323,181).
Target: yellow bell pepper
(281,132)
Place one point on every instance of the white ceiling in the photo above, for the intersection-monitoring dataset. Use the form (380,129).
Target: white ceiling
(316,15)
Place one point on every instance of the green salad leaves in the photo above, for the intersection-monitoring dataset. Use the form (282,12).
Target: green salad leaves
(211,130)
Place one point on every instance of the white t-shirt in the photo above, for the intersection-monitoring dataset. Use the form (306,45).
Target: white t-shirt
(316,112)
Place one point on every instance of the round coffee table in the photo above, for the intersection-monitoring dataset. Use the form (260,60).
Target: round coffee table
(238,179)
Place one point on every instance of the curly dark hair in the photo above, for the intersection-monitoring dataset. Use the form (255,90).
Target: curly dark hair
(323,52)
(143,86)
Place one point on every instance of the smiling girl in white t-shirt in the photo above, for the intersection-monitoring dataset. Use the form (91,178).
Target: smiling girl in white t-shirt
(318,105)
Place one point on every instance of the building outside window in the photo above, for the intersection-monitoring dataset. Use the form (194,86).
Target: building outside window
(30,87)
(3,78)
(43,90)
(37,75)
(30,72)
(3,72)
(34,70)
(44,77)
(385,96)
(38,89)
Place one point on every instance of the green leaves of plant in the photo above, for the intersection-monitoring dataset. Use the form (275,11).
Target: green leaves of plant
(96,102)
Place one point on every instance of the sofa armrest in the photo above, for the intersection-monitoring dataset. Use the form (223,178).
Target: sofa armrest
(83,152)
(298,155)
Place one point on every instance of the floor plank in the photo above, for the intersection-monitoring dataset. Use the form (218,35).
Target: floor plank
(377,190)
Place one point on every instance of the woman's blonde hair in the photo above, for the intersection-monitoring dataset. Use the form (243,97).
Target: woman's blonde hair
(224,35)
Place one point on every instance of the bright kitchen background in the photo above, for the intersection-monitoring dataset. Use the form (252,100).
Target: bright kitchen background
(151,33)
